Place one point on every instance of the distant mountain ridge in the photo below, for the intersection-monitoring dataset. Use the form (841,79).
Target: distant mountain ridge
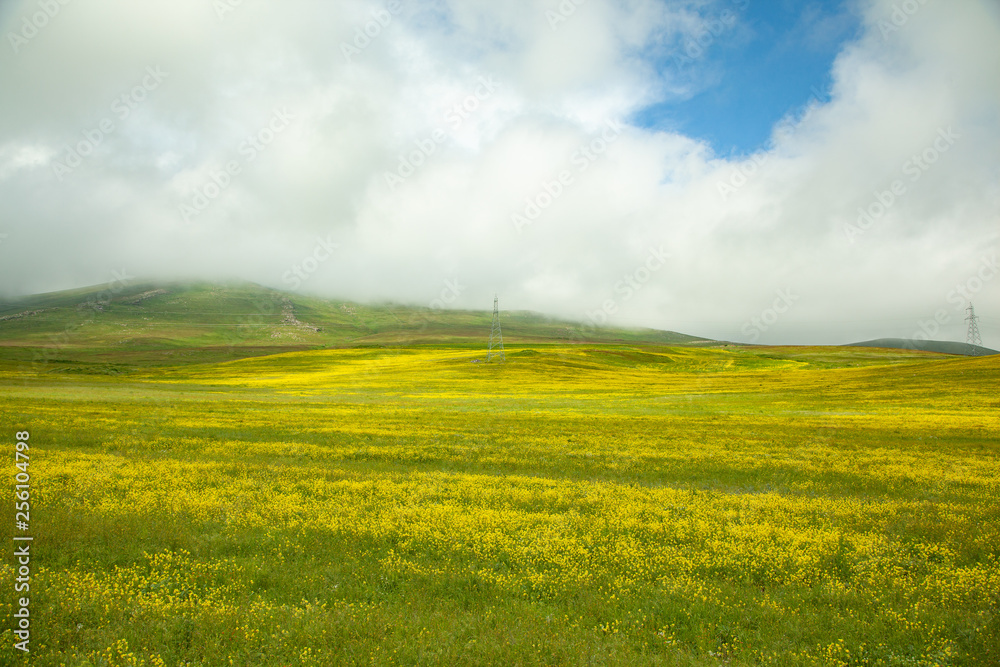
(941,346)
(166,323)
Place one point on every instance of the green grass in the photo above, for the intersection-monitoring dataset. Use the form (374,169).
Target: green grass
(211,489)
(580,504)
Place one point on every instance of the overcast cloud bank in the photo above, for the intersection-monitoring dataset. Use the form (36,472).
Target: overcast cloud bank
(409,144)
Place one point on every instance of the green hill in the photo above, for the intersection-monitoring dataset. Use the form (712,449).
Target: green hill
(939,346)
(106,330)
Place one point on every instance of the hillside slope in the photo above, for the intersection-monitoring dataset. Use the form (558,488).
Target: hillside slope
(940,346)
(153,324)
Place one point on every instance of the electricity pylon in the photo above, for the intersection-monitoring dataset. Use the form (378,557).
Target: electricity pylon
(495,349)
(973,338)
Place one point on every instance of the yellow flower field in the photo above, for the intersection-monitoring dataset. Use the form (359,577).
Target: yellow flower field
(576,505)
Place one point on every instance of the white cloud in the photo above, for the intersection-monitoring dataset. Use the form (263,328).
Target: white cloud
(783,225)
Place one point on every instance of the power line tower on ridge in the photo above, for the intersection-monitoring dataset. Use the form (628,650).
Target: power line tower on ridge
(495,349)
(973,338)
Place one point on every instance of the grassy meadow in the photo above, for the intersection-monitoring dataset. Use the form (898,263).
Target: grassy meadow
(588,504)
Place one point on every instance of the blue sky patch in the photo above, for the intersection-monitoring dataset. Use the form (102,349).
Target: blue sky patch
(758,62)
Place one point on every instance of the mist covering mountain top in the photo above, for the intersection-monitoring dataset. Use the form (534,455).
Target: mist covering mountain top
(593,167)
(180,322)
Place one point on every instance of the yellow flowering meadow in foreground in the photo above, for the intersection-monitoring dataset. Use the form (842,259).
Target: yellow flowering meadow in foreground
(577,505)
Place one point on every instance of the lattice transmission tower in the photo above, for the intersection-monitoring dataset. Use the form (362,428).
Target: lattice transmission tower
(495,349)
(973,338)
